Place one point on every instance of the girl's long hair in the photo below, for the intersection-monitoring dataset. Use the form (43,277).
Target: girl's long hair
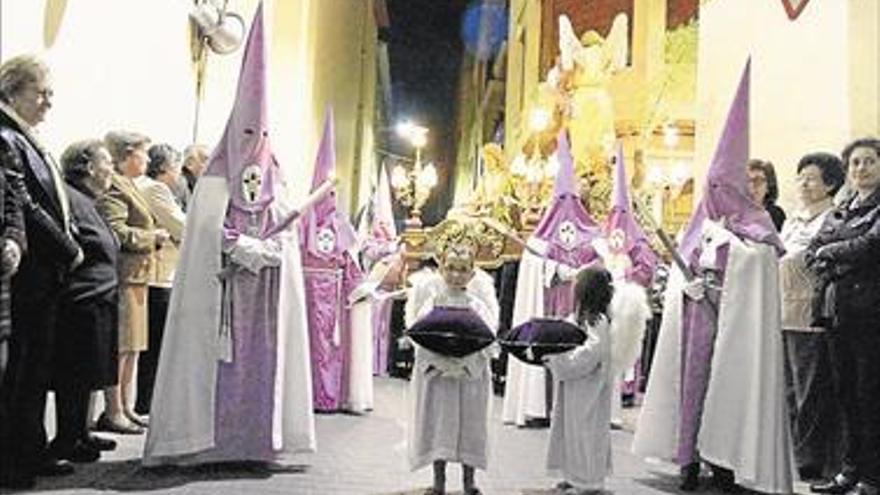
(592,294)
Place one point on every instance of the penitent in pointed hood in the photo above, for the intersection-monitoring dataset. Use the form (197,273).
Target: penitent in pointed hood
(325,232)
(243,155)
(725,193)
(621,227)
(383,215)
(566,226)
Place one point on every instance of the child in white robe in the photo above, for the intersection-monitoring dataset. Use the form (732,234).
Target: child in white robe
(451,395)
(580,437)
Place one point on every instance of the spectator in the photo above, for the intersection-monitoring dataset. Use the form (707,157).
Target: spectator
(764,189)
(844,256)
(88,337)
(808,382)
(195,161)
(163,173)
(25,98)
(128,214)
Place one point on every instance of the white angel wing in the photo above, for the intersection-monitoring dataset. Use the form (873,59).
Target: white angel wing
(482,288)
(569,43)
(629,313)
(425,285)
(617,42)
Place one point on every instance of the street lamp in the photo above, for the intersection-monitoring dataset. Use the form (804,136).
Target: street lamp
(413,187)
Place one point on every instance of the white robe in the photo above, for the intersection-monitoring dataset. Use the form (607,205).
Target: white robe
(183,411)
(580,435)
(450,414)
(744,422)
(360,368)
(525,389)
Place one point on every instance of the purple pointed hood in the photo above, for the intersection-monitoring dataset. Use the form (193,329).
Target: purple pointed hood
(725,193)
(326,233)
(621,221)
(566,226)
(243,155)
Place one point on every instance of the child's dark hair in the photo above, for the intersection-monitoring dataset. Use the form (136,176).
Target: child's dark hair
(592,294)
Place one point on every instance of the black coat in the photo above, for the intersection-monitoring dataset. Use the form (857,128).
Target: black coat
(52,249)
(87,327)
(845,255)
(12,228)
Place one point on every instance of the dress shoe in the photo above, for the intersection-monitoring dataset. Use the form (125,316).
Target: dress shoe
(99,443)
(690,477)
(54,467)
(863,488)
(108,425)
(78,451)
(838,485)
(723,479)
(137,419)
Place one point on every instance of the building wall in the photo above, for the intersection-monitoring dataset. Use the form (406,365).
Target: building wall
(126,64)
(814,79)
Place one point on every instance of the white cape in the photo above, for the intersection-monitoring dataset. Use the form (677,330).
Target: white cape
(182,414)
(360,368)
(525,389)
(744,423)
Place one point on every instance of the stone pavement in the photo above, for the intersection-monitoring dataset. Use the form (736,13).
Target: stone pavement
(363,455)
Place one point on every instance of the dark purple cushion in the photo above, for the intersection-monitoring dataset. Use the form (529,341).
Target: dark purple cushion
(451,331)
(538,337)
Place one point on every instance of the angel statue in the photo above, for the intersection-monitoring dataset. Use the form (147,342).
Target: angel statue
(580,78)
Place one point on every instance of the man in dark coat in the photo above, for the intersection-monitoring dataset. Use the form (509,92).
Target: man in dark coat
(25,97)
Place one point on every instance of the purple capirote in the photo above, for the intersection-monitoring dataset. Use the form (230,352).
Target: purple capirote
(566,210)
(330,274)
(636,244)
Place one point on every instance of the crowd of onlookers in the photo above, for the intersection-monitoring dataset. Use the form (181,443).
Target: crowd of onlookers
(89,248)
(830,287)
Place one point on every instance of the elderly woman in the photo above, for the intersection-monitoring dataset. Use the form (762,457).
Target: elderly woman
(25,98)
(129,215)
(86,357)
(765,189)
(163,173)
(808,379)
(845,255)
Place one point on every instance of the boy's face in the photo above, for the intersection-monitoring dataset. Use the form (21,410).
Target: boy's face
(457,267)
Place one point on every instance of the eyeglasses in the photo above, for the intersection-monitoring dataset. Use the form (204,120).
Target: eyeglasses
(44,92)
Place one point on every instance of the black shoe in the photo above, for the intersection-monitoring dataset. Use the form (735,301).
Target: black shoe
(690,477)
(863,488)
(78,452)
(100,443)
(723,479)
(54,467)
(838,485)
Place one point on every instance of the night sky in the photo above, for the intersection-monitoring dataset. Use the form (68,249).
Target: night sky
(425,52)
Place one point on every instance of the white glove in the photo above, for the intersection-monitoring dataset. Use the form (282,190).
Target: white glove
(255,254)
(695,289)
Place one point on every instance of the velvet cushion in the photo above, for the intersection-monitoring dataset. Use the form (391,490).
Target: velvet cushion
(452,331)
(538,337)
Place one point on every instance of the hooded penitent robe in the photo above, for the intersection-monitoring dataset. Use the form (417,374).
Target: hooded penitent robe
(233,380)
(564,235)
(717,387)
(628,256)
(331,273)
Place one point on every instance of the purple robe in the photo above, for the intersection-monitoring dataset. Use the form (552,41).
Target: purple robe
(330,275)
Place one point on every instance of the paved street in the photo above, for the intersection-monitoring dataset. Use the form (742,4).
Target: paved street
(362,455)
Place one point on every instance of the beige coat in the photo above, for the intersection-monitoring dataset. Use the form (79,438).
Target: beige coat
(796,283)
(128,214)
(169,216)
